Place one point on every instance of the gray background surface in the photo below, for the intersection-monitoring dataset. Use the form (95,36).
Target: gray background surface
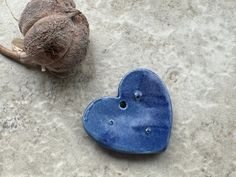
(190,44)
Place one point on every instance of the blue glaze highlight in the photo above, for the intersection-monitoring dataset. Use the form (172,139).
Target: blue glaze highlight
(137,121)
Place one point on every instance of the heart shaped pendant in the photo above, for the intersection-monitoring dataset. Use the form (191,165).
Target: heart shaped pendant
(137,121)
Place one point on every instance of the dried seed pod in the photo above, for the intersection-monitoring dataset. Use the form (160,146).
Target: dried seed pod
(56,36)
(36,10)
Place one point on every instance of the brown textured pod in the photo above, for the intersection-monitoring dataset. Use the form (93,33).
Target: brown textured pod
(38,9)
(56,35)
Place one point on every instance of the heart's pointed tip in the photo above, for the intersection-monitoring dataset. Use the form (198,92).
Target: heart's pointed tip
(138,121)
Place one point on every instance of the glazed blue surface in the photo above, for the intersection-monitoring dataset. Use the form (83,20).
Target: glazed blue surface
(137,121)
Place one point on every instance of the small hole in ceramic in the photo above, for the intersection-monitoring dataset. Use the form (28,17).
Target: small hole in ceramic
(123,105)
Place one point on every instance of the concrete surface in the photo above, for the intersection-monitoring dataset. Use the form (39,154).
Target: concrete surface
(190,44)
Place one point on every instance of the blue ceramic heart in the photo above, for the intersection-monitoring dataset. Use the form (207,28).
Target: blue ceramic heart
(138,121)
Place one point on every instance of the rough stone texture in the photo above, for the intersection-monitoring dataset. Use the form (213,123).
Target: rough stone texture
(190,44)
